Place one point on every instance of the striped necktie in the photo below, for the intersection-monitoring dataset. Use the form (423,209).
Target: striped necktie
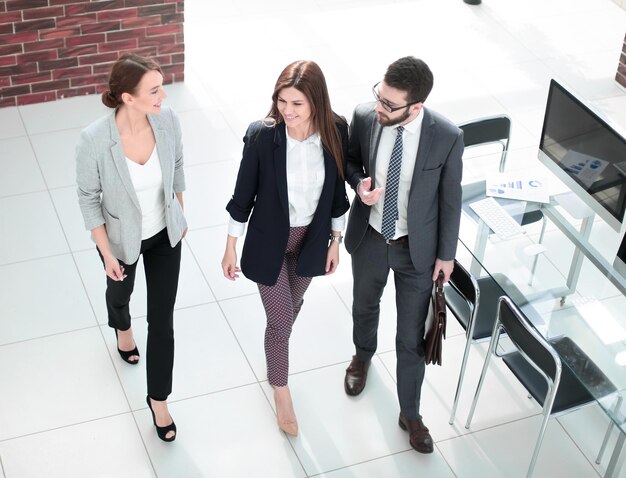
(390,208)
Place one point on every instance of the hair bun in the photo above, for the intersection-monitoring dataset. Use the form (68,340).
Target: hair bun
(109,99)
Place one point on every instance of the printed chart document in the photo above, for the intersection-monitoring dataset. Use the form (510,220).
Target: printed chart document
(523,185)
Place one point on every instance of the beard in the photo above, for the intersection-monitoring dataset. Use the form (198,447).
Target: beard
(384,120)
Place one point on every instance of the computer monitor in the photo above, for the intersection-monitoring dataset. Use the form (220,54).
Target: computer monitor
(584,152)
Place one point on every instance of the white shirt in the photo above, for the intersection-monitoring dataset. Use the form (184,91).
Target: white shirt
(305,179)
(410,144)
(148,182)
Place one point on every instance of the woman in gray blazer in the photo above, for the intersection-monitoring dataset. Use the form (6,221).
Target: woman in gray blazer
(129,171)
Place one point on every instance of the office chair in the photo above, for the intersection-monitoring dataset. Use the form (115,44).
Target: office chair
(537,365)
(474,302)
(488,130)
(497,129)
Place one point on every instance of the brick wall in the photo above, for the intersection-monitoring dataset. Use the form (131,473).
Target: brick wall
(621,68)
(52,49)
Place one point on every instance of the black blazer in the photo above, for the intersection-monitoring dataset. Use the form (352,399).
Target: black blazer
(261,189)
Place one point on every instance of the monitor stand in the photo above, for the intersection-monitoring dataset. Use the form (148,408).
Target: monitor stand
(620,258)
(620,266)
(580,238)
(574,206)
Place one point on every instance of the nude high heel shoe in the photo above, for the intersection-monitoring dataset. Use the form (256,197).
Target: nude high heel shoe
(285,415)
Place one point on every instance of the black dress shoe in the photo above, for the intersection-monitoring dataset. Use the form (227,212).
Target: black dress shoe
(419,437)
(356,376)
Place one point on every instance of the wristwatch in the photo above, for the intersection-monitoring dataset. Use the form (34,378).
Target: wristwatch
(338,239)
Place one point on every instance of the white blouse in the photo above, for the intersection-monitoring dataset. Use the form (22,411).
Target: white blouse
(148,182)
(305,179)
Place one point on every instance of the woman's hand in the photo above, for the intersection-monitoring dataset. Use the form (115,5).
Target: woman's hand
(113,268)
(332,257)
(179,196)
(229,264)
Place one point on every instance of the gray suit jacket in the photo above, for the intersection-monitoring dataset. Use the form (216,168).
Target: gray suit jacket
(106,194)
(434,208)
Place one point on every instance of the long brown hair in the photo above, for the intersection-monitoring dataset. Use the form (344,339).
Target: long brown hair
(307,77)
(125,76)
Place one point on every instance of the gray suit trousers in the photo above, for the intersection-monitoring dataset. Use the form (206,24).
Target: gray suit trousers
(371,263)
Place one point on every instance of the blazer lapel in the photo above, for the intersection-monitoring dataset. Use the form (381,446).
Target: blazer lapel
(426,140)
(280,165)
(330,168)
(117,152)
(375,133)
(164,151)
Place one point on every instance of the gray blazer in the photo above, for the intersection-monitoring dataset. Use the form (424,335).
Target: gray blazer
(106,194)
(434,208)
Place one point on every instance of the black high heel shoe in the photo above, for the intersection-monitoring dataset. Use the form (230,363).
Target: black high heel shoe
(162,431)
(126,355)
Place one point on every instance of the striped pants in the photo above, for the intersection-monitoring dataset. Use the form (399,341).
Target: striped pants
(282,302)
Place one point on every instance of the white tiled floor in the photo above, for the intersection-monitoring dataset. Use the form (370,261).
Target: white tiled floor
(70,407)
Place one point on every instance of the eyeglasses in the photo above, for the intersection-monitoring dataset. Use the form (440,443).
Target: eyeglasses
(385,104)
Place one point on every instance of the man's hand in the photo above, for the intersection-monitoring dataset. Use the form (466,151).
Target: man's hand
(446,267)
(369,198)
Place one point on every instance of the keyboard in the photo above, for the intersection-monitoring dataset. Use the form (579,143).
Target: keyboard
(496,217)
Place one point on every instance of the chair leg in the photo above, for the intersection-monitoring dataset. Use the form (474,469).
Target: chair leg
(483,373)
(617,458)
(544,222)
(607,435)
(459,384)
(542,431)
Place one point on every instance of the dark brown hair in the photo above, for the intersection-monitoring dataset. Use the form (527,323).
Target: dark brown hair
(125,76)
(412,75)
(307,77)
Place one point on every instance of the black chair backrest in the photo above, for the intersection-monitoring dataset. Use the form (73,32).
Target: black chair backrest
(526,338)
(461,280)
(486,130)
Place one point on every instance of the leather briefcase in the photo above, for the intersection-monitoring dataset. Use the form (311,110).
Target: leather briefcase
(435,324)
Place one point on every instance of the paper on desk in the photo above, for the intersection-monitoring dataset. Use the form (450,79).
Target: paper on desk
(521,185)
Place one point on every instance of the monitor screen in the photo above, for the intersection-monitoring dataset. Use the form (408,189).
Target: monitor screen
(585,153)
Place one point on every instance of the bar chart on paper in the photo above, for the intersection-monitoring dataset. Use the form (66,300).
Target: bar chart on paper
(520,185)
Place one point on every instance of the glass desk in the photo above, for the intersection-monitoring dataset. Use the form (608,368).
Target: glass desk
(572,292)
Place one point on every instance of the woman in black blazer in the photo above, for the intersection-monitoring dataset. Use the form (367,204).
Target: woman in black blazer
(291,186)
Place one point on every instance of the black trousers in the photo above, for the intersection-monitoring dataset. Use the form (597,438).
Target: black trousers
(371,263)
(162,266)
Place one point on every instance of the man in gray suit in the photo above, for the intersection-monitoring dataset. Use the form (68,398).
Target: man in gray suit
(404,164)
